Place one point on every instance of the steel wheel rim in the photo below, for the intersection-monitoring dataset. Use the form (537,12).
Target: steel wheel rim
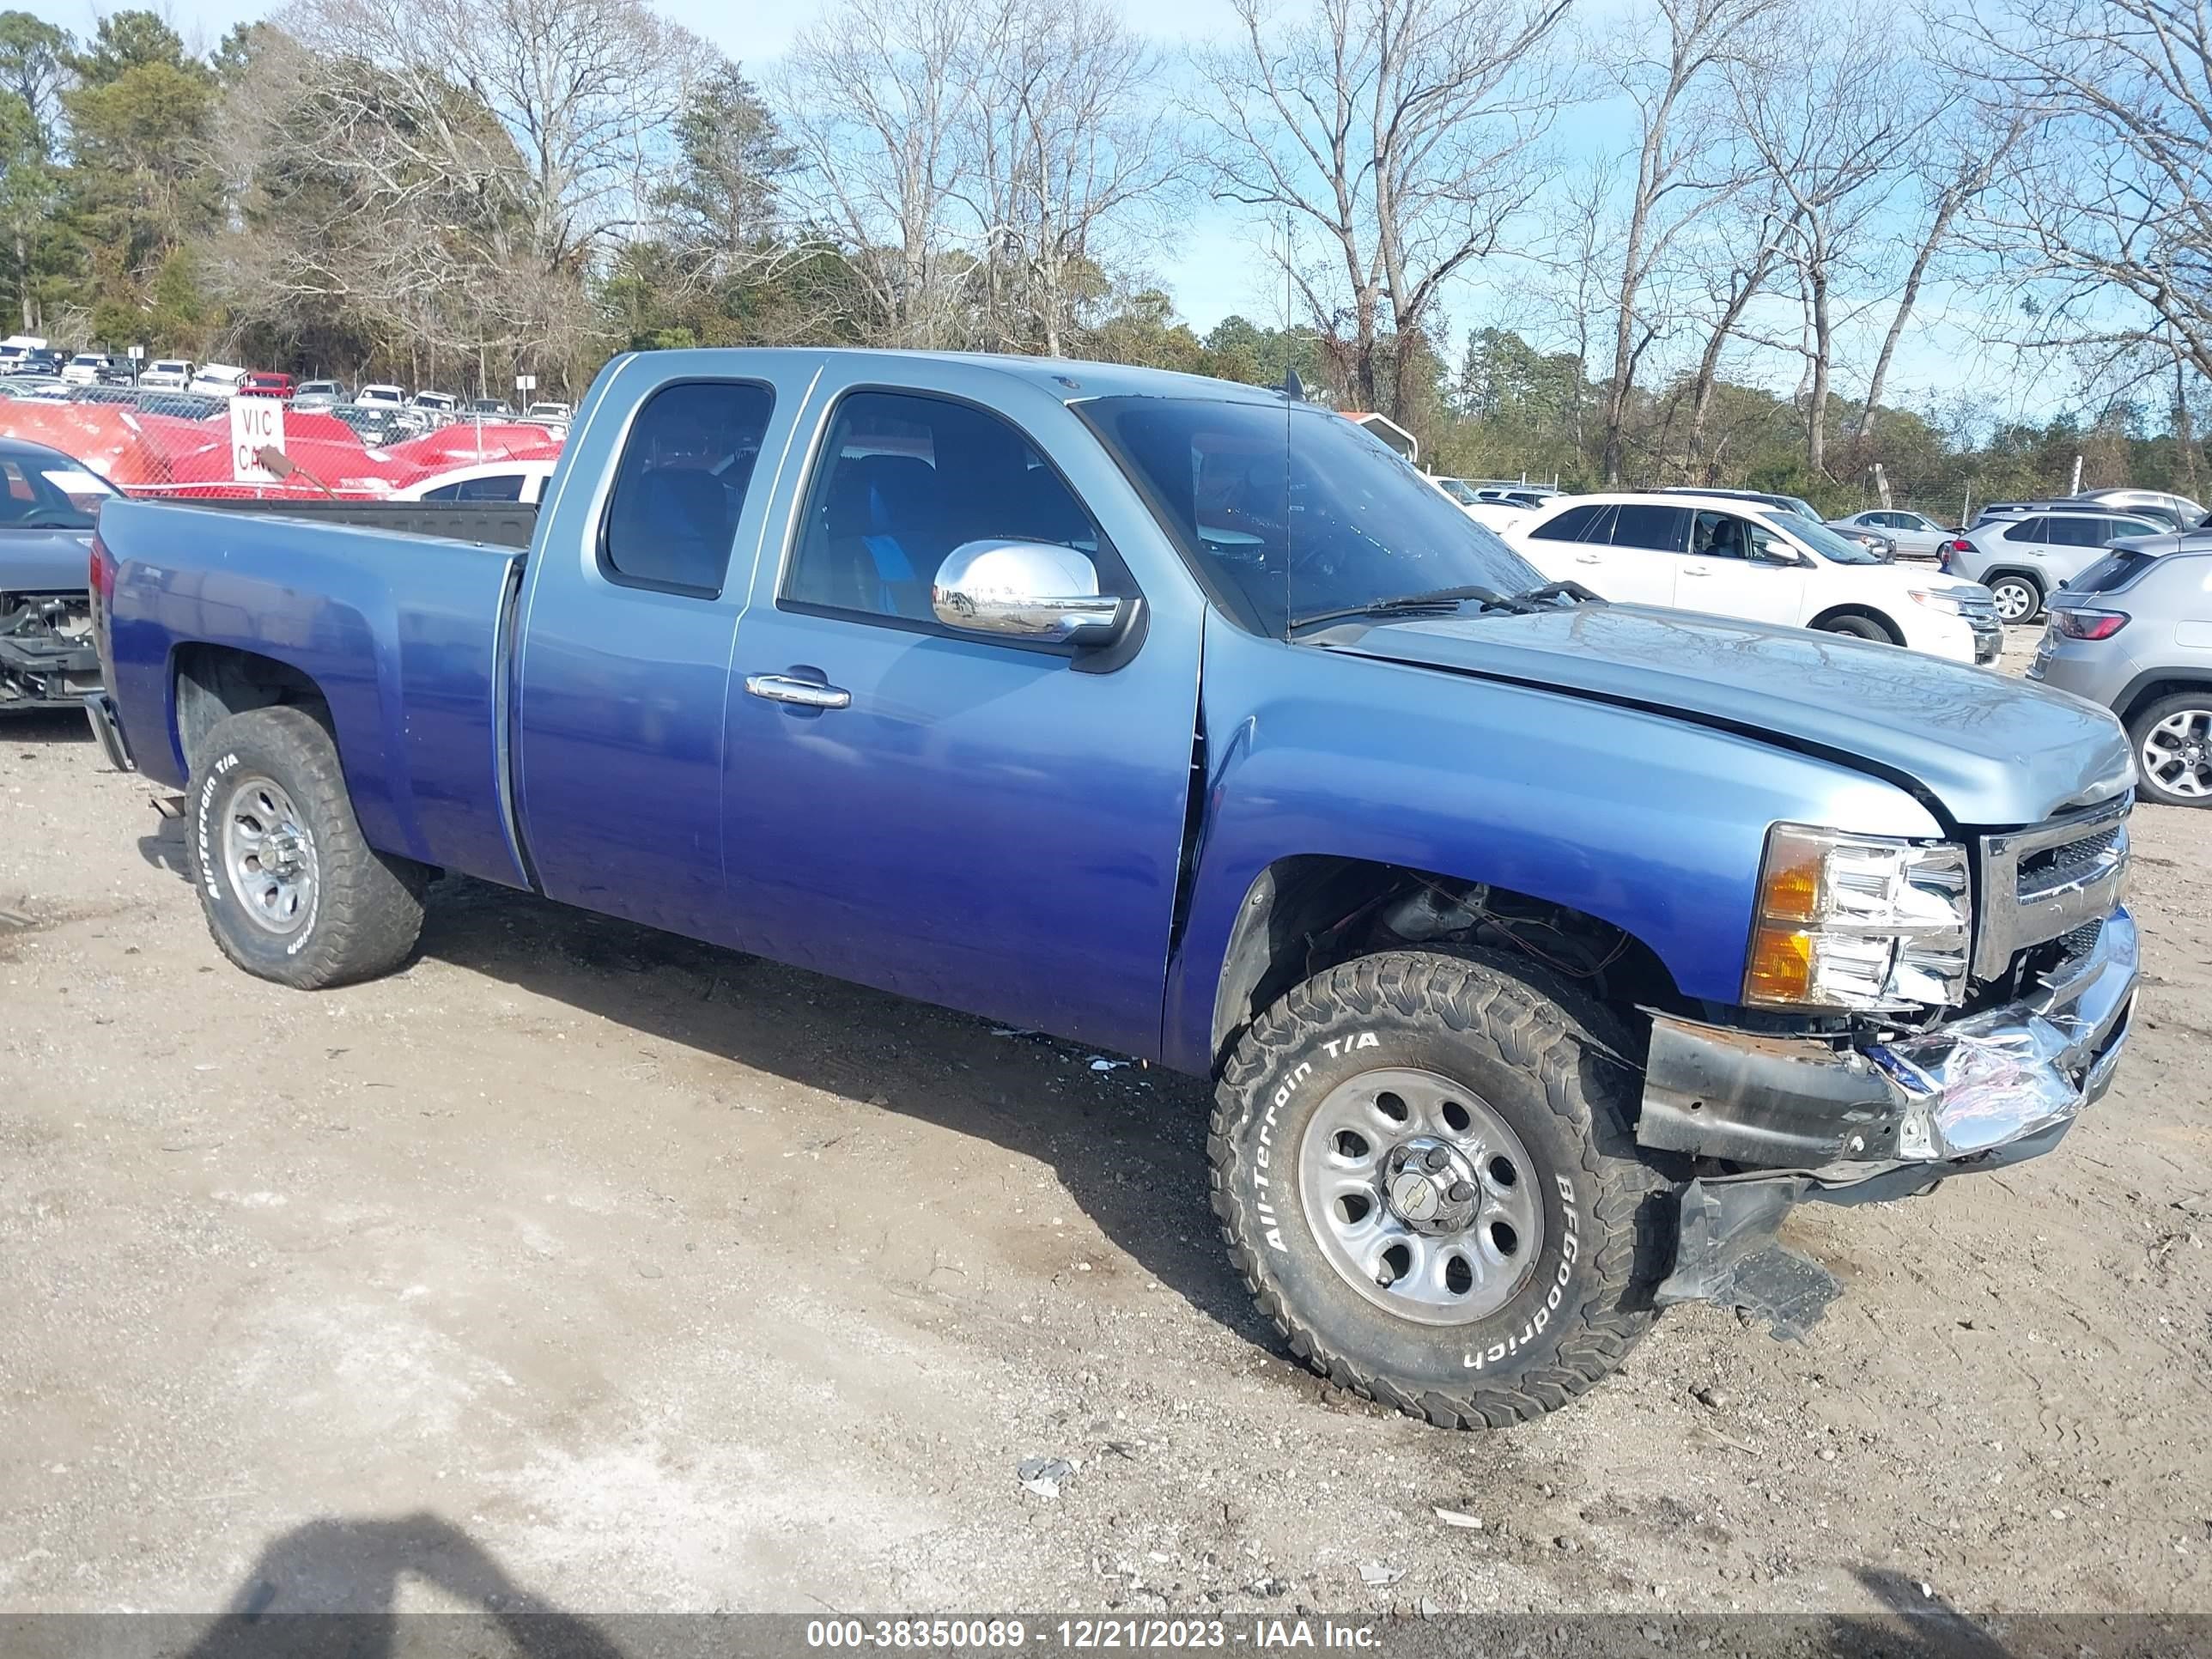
(268,856)
(1457,1260)
(2013,600)
(2178,753)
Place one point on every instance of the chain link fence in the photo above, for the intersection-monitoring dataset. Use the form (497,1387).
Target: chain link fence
(182,444)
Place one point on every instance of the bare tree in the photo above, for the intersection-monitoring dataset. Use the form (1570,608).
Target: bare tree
(879,97)
(1832,108)
(585,92)
(1680,174)
(1406,129)
(1073,148)
(1959,159)
(2112,201)
(1739,259)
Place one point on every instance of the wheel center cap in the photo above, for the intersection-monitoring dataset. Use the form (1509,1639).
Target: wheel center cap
(1429,1186)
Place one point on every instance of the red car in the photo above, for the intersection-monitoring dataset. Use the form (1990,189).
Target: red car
(265,383)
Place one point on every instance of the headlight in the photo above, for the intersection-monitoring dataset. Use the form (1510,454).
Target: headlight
(1858,921)
(1946,603)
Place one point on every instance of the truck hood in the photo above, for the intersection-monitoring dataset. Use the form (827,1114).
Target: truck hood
(44,560)
(1990,750)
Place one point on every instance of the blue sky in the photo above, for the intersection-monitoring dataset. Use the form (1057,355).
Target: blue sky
(1214,266)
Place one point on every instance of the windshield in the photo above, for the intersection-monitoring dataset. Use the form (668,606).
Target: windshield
(1292,510)
(56,494)
(1838,549)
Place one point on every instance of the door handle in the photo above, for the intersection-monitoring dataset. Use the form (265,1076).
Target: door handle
(1587,558)
(807,694)
(1697,570)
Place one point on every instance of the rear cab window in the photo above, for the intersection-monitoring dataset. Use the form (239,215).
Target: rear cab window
(679,487)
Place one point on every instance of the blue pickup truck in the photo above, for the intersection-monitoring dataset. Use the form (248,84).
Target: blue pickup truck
(1543,952)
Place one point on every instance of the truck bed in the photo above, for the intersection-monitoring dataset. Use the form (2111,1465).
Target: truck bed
(398,629)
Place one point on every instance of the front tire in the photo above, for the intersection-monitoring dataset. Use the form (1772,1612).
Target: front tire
(290,889)
(1858,628)
(2173,743)
(1455,1127)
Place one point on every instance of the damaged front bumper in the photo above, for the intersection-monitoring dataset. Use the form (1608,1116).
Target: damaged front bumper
(47,671)
(1855,1121)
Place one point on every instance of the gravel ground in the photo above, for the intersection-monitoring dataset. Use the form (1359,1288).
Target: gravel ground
(587,1264)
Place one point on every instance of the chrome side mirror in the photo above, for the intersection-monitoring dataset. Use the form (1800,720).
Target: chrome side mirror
(1024,591)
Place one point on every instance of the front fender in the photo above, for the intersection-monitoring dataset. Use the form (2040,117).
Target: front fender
(1654,825)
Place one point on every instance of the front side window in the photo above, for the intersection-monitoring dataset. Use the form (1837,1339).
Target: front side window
(1720,535)
(1290,511)
(680,486)
(902,480)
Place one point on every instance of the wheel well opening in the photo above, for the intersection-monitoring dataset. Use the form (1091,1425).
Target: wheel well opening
(216,682)
(1836,612)
(1309,912)
(1990,579)
(2157,689)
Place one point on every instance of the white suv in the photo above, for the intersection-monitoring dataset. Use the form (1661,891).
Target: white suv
(1738,558)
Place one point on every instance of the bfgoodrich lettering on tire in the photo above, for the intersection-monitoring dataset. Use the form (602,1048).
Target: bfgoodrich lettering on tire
(290,889)
(1423,1169)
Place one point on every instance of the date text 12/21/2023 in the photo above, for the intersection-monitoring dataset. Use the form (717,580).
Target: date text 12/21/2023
(1083,1635)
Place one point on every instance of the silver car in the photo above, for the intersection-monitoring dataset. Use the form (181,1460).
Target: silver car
(2158,504)
(2023,555)
(1915,535)
(2134,632)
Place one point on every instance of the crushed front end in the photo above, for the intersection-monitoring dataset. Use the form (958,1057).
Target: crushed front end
(1991,1012)
(48,656)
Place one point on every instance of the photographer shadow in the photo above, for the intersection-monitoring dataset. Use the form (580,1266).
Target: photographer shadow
(329,1590)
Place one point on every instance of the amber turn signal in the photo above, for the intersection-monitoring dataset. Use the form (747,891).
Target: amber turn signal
(1781,967)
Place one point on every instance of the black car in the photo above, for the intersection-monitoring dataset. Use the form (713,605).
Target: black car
(47,656)
(40,361)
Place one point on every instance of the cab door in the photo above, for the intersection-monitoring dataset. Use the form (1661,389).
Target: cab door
(639,572)
(1723,574)
(1573,544)
(1648,542)
(988,825)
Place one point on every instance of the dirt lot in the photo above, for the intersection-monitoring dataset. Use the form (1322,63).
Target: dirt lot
(591,1264)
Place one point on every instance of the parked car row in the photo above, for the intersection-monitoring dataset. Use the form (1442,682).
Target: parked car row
(1865,572)
(1741,555)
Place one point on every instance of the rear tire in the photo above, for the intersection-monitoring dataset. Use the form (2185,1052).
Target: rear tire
(1513,1094)
(2173,743)
(2019,599)
(290,889)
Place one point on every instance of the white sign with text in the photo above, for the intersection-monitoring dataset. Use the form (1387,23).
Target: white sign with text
(256,424)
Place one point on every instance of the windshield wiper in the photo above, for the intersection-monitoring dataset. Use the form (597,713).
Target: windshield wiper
(1442,600)
(1413,605)
(1533,597)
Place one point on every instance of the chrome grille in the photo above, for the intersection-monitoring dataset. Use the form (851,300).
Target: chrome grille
(2083,940)
(1972,605)
(2050,882)
(2056,865)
